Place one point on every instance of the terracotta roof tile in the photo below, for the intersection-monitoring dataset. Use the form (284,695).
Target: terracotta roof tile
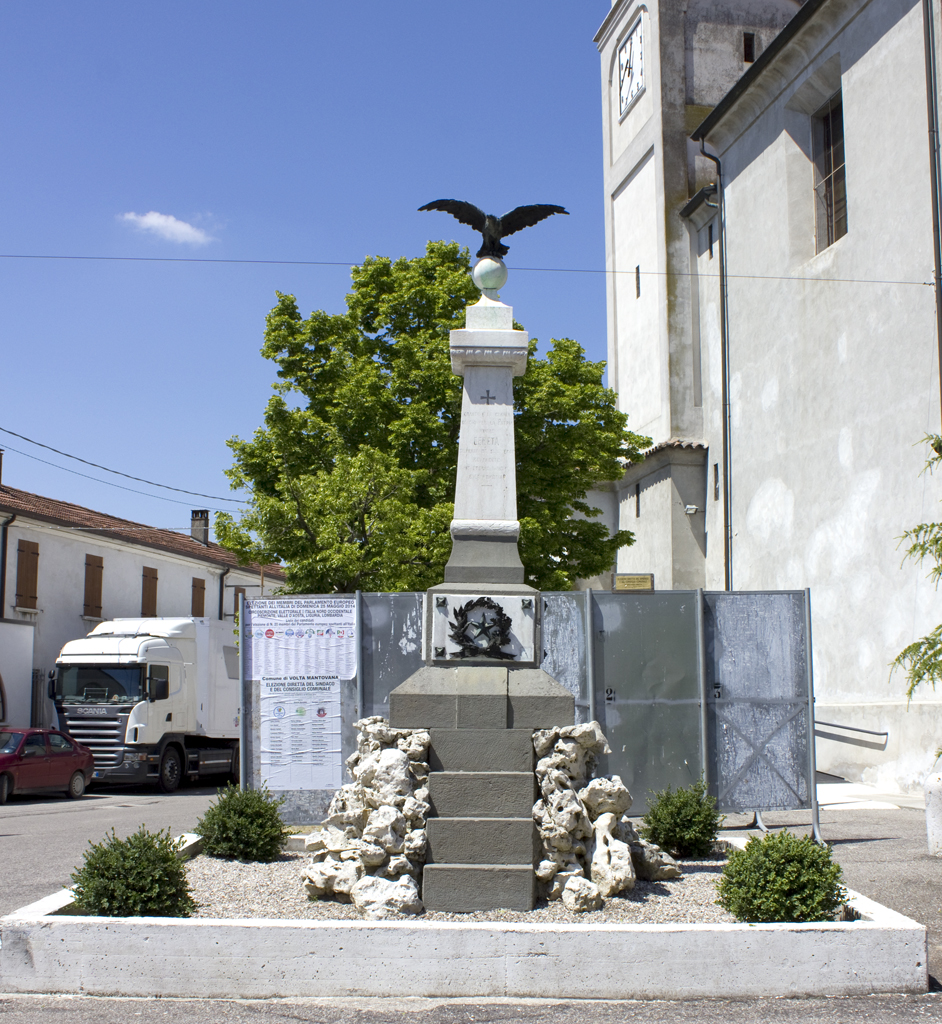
(63,513)
(675,442)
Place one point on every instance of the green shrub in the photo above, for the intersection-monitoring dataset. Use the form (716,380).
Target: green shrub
(683,822)
(243,824)
(781,878)
(140,876)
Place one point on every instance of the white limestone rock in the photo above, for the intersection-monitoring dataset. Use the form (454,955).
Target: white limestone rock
(580,895)
(605,795)
(391,782)
(610,862)
(543,740)
(386,827)
(560,881)
(652,864)
(332,877)
(415,811)
(414,744)
(570,801)
(380,898)
(415,844)
(375,829)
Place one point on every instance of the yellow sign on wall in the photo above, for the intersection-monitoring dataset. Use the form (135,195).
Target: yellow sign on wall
(634,581)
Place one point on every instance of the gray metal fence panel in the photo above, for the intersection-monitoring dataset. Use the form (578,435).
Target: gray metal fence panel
(759,700)
(647,667)
(390,645)
(564,647)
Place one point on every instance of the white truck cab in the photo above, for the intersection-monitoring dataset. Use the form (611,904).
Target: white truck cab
(155,699)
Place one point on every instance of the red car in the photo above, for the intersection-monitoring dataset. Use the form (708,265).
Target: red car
(42,759)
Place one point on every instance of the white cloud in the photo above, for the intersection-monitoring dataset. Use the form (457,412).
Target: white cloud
(166,226)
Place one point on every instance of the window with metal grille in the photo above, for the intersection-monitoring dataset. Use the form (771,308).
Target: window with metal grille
(830,189)
(94,567)
(149,593)
(198,599)
(27,573)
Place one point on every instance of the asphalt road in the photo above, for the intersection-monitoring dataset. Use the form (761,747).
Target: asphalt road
(43,838)
(83,1010)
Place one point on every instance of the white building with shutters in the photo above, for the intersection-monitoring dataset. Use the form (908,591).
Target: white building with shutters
(772,327)
(64,568)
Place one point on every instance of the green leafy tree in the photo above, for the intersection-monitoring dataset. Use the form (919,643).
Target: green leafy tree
(353,473)
(921,661)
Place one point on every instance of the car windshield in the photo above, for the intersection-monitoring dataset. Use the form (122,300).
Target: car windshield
(9,741)
(100,684)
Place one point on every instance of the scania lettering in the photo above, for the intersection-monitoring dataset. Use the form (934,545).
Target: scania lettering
(154,699)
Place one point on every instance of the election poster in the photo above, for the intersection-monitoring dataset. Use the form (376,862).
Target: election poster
(298,649)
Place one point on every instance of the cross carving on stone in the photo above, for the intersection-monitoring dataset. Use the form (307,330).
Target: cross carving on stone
(486,398)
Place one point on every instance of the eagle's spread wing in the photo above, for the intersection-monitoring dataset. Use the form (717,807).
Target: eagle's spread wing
(466,213)
(527,216)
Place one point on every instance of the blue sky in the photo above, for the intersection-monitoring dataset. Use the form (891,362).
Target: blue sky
(249,131)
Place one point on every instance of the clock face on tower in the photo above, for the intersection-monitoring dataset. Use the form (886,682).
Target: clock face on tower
(630,67)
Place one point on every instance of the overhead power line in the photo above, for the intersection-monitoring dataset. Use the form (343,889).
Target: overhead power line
(117,472)
(533,270)
(97,479)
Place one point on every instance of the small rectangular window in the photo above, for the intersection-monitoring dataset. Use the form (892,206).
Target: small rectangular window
(198,598)
(710,239)
(149,593)
(830,189)
(638,282)
(235,599)
(27,573)
(716,481)
(637,501)
(94,568)
(748,47)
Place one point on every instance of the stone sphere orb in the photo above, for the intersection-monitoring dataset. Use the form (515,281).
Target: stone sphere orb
(489,273)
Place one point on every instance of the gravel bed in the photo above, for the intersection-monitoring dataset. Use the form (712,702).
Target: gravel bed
(228,889)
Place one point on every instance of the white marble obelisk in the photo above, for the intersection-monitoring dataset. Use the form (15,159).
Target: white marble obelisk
(488,354)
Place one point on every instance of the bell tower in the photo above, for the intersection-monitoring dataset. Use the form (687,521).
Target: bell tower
(665,65)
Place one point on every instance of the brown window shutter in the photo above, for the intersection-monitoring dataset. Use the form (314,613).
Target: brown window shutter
(235,599)
(27,573)
(94,567)
(149,593)
(198,602)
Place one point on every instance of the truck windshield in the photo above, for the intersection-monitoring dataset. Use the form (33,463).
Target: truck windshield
(100,684)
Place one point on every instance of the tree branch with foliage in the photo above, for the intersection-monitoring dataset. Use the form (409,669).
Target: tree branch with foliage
(921,661)
(352,475)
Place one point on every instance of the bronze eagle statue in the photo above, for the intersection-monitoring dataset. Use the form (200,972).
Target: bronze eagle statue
(494,228)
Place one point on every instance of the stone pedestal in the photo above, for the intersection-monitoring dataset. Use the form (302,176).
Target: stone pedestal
(482,692)
(482,843)
(488,354)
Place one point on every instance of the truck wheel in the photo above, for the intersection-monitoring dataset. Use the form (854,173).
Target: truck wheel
(4,788)
(76,786)
(171,771)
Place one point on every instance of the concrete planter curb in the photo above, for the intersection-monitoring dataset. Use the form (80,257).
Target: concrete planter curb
(44,950)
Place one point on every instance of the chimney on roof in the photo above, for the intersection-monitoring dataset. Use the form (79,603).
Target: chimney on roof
(199,525)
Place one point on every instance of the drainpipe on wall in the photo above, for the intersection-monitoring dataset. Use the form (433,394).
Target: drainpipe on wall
(3,563)
(932,106)
(222,593)
(724,358)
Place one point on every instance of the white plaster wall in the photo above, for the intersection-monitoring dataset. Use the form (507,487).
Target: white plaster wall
(61,584)
(833,383)
(16,666)
(651,551)
(640,382)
